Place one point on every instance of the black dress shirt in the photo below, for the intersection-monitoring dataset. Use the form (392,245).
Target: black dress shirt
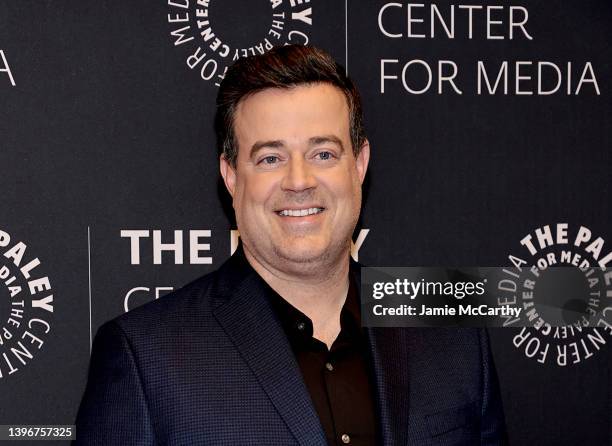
(337,379)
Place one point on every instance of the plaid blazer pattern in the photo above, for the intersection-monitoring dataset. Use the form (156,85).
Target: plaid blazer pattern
(209,364)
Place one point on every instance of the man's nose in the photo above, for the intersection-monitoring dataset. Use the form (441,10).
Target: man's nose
(299,176)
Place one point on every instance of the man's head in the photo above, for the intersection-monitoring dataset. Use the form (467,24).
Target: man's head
(294,156)
(283,67)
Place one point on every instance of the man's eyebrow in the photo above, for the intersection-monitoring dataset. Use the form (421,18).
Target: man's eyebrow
(316,140)
(275,144)
(278,143)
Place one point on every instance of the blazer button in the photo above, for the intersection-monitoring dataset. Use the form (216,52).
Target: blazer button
(330,367)
(345,439)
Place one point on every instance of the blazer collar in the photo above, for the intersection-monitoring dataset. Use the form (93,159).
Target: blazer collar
(242,309)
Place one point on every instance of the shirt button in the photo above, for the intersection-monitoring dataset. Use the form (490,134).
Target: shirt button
(330,367)
(345,439)
(301,326)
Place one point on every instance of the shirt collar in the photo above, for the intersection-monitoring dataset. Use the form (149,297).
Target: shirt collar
(296,325)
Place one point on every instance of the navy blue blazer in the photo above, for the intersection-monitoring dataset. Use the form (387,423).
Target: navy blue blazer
(210,365)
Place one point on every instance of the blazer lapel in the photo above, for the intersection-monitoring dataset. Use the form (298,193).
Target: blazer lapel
(389,350)
(389,353)
(246,316)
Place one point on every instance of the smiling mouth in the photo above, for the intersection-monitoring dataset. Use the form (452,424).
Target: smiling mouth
(299,212)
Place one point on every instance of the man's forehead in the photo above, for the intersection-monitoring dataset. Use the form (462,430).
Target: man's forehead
(294,117)
(318,91)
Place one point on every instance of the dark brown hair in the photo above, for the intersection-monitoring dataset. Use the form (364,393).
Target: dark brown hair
(281,67)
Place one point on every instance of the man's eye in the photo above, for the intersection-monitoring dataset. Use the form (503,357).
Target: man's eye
(270,159)
(325,155)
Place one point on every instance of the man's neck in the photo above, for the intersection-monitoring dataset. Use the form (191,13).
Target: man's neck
(320,296)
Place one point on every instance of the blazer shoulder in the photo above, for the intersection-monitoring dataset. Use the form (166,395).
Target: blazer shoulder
(175,308)
(192,305)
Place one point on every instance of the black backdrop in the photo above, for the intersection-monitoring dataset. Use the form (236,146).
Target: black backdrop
(106,127)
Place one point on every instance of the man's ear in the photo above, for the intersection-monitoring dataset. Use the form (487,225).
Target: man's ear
(362,160)
(228,173)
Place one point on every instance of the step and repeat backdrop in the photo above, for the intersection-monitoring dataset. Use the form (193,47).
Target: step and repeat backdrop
(490,126)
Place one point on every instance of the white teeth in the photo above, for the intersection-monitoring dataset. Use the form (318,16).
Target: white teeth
(299,212)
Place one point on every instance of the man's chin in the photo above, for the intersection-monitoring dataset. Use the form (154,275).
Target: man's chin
(302,252)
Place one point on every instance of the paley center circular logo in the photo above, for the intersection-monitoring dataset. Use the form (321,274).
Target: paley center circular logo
(217,32)
(561,281)
(26,305)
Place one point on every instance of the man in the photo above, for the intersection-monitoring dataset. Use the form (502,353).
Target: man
(268,350)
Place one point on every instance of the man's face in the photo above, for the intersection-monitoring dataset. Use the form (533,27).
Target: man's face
(296,186)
